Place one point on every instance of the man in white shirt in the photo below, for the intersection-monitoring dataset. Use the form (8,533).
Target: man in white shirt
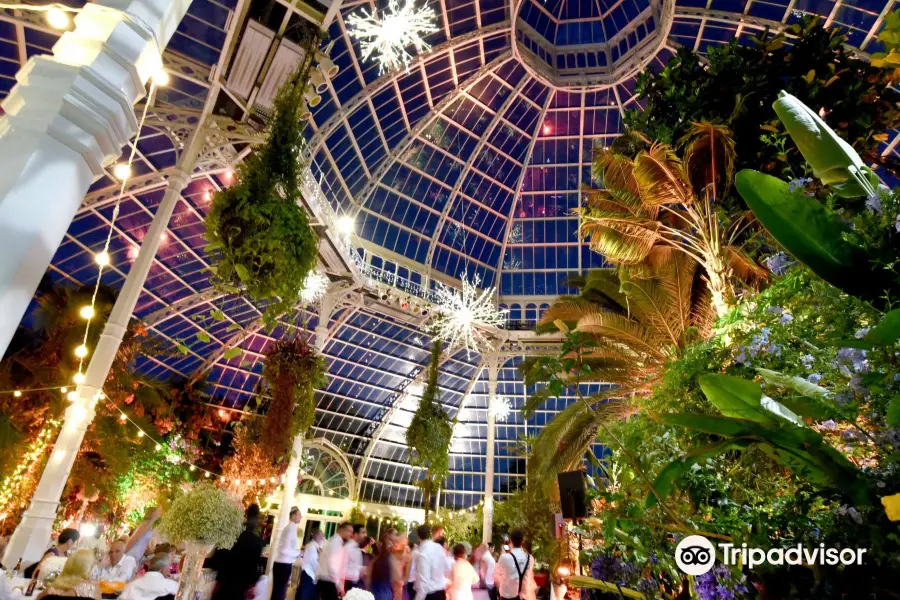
(307,588)
(354,557)
(431,568)
(514,574)
(118,566)
(288,551)
(488,566)
(154,583)
(333,564)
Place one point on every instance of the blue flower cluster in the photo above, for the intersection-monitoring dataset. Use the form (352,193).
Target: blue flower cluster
(778,263)
(758,343)
(720,584)
(611,569)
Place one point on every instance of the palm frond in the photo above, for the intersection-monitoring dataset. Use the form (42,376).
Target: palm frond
(709,157)
(626,331)
(677,280)
(660,176)
(744,267)
(618,239)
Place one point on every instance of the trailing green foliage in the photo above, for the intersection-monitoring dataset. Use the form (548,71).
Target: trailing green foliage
(430,432)
(260,238)
(293,371)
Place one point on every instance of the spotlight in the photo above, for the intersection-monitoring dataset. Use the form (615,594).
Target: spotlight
(87,529)
(563,571)
(122,171)
(318,81)
(161,77)
(207,196)
(305,115)
(58,18)
(228,175)
(326,66)
(311,97)
(86,312)
(81,351)
(384,296)
(102,258)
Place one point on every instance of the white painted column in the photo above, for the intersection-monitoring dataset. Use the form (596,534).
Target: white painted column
(493,369)
(69,115)
(32,536)
(292,475)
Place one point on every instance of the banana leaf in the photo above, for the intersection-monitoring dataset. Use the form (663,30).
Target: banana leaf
(810,233)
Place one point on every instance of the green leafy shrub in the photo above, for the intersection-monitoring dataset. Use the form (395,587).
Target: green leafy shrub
(739,82)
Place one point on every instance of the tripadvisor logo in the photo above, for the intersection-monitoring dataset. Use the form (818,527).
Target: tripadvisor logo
(695,555)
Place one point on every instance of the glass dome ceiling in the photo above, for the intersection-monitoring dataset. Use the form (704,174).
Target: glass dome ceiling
(470,160)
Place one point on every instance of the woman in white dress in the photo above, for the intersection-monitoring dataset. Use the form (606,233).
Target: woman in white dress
(462,575)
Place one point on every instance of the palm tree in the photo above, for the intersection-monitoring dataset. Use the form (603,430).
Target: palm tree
(655,202)
(626,330)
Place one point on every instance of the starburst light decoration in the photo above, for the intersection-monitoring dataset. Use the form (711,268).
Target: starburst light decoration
(314,287)
(462,314)
(501,408)
(388,35)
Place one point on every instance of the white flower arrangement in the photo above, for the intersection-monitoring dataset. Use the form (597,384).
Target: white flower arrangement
(359,594)
(206,515)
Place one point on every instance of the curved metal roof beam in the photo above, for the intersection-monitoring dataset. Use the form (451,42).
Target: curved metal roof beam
(467,168)
(388,161)
(518,194)
(338,118)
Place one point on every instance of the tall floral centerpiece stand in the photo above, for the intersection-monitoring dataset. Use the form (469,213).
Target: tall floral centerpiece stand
(203,519)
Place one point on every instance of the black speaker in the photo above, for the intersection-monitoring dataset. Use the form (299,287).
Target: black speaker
(571,494)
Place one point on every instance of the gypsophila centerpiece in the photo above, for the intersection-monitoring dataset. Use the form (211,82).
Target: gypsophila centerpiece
(205,514)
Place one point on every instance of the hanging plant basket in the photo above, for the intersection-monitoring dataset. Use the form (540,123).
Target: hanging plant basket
(293,371)
(260,238)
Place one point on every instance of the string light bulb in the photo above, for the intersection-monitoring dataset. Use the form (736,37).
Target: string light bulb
(102,258)
(206,474)
(86,312)
(64,389)
(57,18)
(158,447)
(72,396)
(193,467)
(122,171)
(140,433)
(17,394)
(81,351)
(78,378)
(122,417)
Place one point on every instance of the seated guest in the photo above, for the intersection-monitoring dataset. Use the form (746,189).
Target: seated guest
(67,540)
(75,578)
(154,583)
(117,566)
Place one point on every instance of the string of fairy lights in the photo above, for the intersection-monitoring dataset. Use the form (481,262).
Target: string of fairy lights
(39,445)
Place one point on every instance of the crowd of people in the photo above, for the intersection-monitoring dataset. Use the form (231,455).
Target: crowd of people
(131,565)
(394,567)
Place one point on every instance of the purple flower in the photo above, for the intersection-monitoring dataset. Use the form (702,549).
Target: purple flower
(741,357)
(807,360)
(897,223)
(775,310)
(873,203)
(861,333)
(852,513)
(786,318)
(796,185)
(828,425)
(779,262)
